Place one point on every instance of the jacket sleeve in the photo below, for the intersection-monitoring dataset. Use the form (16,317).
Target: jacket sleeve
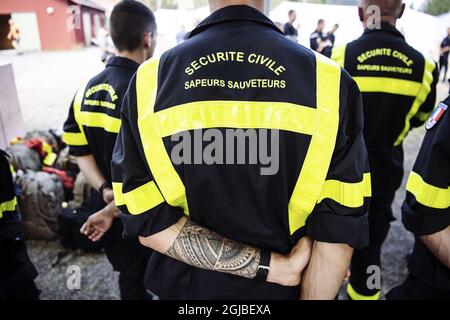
(429,84)
(73,134)
(426,209)
(8,199)
(143,208)
(341,213)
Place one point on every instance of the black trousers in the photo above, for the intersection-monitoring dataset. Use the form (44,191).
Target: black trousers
(127,256)
(130,259)
(413,289)
(17,272)
(443,65)
(380,218)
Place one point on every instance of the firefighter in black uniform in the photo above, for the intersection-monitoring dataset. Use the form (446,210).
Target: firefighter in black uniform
(91,131)
(426,213)
(230,228)
(17,272)
(398,86)
(318,38)
(445,52)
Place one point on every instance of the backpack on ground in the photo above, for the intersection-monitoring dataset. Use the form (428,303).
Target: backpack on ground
(40,203)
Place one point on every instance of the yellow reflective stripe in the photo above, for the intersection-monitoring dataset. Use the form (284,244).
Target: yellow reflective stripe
(427,194)
(8,206)
(347,194)
(338,54)
(317,162)
(388,85)
(167,179)
(100,103)
(74,139)
(138,200)
(50,157)
(100,120)
(236,114)
(77,102)
(421,97)
(357,296)
(423,116)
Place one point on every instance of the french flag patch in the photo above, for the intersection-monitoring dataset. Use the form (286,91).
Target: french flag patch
(436,116)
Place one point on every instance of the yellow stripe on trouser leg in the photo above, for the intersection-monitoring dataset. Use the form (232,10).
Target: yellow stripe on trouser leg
(317,162)
(8,206)
(357,296)
(138,200)
(167,179)
(421,97)
(427,194)
(349,195)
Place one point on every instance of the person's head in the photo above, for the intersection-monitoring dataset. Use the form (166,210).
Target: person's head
(218,4)
(292,16)
(320,25)
(132,26)
(390,10)
(334,29)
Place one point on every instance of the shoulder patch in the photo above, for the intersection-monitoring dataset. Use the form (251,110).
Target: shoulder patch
(436,115)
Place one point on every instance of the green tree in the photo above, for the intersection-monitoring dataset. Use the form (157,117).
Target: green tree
(437,7)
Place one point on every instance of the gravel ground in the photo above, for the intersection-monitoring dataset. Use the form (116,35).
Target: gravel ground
(46,82)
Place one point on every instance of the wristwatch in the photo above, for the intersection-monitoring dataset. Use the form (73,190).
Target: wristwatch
(264,266)
(103,187)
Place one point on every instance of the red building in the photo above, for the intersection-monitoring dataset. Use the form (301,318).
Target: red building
(51,24)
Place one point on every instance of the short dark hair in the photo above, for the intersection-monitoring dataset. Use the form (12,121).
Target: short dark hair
(291,12)
(128,22)
(320,21)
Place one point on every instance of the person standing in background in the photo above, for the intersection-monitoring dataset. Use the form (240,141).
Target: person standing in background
(445,51)
(330,39)
(14,35)
(289,30)
(317,39)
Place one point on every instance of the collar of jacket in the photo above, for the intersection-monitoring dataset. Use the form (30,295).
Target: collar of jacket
(386,27)
(122,62)
(234,13)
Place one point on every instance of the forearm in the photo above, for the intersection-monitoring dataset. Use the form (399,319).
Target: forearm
(90,170)
(326,271)
(199,247)
(439,245)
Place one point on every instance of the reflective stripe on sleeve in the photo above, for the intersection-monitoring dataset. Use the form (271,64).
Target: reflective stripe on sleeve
(350,195)
(8,206)
(317,162)
(427,194)
(74,139)
(139,200)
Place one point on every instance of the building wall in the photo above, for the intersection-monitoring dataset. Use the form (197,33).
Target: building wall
(55,29)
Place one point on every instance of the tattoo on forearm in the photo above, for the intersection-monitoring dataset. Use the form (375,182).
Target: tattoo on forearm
(206,249)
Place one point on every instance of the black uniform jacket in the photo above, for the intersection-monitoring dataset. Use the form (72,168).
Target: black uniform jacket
(398,86)
(238,73)
(427,206)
